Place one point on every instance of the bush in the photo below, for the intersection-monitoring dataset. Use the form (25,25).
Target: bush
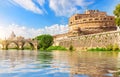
(27,48)
(41,49)
(97,49)
(71,48)
(13,48)
(56,48)
(109,47)
(115,47)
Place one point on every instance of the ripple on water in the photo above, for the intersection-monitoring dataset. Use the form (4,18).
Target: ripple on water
(58,64)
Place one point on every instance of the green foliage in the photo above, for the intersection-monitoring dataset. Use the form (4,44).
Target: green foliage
(117,21)
(117,14)
(56,48)
(115,47)
(27,48)
(109,47)
(44,41)
(41,49)
(117,11)
(13,48)
(71,48)
(97,49)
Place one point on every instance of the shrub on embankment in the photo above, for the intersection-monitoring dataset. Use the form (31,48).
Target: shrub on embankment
(71,48)
(110,47)
(54,48)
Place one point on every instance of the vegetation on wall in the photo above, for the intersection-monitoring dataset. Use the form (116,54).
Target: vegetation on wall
(110,47)
(117,14)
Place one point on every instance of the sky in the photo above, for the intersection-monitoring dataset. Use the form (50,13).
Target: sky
(30,18)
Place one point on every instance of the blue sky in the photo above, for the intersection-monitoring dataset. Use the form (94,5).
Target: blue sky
(33,17)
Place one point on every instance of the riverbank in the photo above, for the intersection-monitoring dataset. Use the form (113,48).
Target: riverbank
(110,47)
(54,48)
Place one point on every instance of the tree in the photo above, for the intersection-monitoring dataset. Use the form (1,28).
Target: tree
(117,14)
(44,41)
(71,48)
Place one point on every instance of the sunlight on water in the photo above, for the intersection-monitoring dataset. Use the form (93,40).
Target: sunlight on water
(59,64)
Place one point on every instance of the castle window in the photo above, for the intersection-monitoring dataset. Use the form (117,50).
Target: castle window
(96,18)
(84,20)
(70,22)
(111,18)
(90,19)
(104,18)
(90,16)
(76,18)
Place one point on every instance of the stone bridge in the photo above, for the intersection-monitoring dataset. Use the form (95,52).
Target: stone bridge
(19,43)
(91,40)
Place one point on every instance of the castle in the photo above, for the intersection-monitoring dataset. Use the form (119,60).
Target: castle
(92,21)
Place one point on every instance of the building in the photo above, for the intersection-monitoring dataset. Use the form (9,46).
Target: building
(92,21)
(14,37)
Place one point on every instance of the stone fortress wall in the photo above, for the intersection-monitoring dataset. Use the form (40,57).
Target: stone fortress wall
(91,40)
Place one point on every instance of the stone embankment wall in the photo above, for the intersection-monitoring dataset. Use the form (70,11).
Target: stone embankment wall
(91,41)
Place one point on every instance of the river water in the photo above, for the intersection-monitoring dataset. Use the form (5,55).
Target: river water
(27,63)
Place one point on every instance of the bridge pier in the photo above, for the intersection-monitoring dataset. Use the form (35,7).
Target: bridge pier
(35,47)
(35,44)
(20,47)
(5,47)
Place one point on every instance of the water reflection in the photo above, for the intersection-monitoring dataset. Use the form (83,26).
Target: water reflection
(94,64)
(44,59)
(59,64)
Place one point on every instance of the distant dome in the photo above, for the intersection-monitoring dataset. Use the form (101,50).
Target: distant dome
(12,36)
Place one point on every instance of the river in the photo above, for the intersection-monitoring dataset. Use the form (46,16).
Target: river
(18,63)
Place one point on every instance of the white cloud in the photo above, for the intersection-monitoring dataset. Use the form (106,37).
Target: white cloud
(41,2)
(60,7)
(5,31)
(68,7)
(28,5)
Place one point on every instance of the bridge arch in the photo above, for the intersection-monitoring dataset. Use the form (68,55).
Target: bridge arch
(28,45)
(12,45)
(18,44)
